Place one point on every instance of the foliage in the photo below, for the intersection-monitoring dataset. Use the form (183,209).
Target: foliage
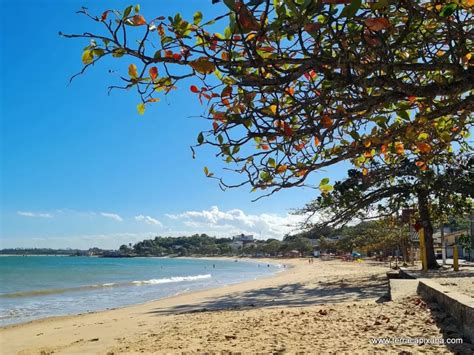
(378,235)
(445,189)
(204,245)
(388,189)
(299,85)
(465,242)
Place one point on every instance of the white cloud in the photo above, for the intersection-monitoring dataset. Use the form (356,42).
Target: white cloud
(227,223)
(148,220)
(112,216)
(34,214)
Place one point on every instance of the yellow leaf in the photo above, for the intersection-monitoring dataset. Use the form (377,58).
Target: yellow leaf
(399,148)
(141,108)
(281,169)
(466,58)
(132,71)
(87,56)
(202,65)
(273,108)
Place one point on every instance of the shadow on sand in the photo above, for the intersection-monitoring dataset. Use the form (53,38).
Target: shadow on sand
(293,295)
(449,329)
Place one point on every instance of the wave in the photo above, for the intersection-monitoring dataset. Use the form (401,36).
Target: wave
(172,279)
(53,291)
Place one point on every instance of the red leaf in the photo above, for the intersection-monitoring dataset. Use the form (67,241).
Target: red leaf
(245,18)
(326,121)
(177,56)
(104,15)
(153,73)
(138,20)
(310,75)
(194,89)
(215,126)
(227,91)
(377,24)
(412,99)
(312,27)
(287,129)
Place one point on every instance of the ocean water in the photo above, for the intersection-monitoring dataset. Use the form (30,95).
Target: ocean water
(33,287)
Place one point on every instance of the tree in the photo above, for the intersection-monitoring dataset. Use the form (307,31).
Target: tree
(299,85)
(445,189)
(465,242)
(296,242)
(377,235)
(272,246)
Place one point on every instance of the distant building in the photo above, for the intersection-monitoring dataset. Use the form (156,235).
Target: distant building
(334,238)
(241,240)
(293,253)
(450,239)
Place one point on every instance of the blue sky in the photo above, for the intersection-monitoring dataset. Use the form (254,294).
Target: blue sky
(80,168)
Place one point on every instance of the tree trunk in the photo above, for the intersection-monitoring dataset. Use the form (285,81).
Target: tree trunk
(428,227)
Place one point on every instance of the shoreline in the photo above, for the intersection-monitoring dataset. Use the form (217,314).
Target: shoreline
(179,293)
(28,331)
(323,306)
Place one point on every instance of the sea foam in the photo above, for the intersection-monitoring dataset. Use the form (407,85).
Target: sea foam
(172,279)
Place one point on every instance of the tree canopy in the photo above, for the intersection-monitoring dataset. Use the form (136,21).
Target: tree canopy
(293,86)
(446,189)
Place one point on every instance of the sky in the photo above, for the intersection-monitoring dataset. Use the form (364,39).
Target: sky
(80,168)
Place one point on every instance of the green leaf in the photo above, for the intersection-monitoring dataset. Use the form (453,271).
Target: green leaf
(355,135)
(118,52)
(265,176)
(127,11)
(404,115)
(324,181)
(271,162)
(351,9)
(200,138)
(448,10)
(141,108)
(236,149)
(137,8)
(99,52)
(422,136)
(197,17)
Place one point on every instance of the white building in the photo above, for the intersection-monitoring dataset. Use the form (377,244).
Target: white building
(238,241)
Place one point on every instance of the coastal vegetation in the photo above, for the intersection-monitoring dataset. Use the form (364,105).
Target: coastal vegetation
(293,86)
(430,195)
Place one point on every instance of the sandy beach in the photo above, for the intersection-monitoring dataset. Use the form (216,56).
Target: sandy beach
(326,306)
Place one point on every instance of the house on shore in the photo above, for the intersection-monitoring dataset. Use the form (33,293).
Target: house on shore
(241,240)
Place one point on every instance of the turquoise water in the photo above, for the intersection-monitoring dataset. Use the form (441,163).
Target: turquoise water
(35,287)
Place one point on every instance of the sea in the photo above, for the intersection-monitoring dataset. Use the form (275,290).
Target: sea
(33,287)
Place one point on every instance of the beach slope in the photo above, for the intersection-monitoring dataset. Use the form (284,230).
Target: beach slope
(326,306)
